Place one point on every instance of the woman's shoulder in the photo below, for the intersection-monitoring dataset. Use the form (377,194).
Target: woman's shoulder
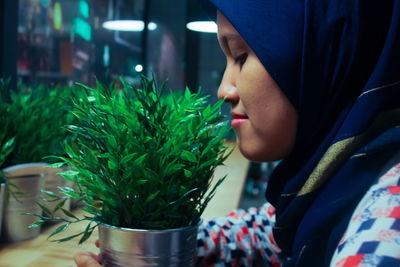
(372,237)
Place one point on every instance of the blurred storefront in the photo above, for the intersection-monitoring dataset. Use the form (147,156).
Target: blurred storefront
(65,41)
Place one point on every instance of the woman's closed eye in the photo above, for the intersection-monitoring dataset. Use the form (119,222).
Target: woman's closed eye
(241,59)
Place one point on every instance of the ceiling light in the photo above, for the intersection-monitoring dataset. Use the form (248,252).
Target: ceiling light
(202,26)
(152,26)
(128,25)
(139,68)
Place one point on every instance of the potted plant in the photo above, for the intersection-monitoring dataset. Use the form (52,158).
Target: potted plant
(6,147)
(35,118)
(143,162)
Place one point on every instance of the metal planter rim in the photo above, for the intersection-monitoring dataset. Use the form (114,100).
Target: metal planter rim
(150,230)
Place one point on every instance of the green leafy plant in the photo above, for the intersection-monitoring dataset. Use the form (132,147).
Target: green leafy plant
(141,159)
(6,145)
(35,116)
(5,149)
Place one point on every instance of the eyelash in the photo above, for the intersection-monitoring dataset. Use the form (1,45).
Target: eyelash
(241,59)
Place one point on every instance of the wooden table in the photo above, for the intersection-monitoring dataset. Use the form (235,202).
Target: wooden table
(40,252)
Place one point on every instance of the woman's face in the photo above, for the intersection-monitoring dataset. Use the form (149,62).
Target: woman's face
(263,118)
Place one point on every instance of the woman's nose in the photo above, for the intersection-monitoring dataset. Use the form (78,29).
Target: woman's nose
(227,89)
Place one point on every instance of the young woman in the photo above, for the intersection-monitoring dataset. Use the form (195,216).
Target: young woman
(317,84)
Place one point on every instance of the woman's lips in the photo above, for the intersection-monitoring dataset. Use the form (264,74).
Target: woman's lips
(237,119)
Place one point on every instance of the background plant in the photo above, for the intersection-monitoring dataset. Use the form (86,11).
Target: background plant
(35,116)
(142,159)
(6,145)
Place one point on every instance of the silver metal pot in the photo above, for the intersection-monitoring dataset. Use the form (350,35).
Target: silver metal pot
(137,247)
(2,197)
(28,179)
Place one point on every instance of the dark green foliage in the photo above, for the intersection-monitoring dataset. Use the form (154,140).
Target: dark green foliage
(6,142)
(35,116)
(142,159)
(6,147)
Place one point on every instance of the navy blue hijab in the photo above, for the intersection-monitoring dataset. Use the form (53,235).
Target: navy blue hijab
(338,62)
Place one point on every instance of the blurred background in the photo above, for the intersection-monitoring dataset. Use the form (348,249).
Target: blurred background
(64,41)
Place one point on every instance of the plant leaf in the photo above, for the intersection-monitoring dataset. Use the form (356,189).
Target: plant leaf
(67,238)
(140,160)
(152,196)
(59,229)
(186,155)
(44,209)
(36,224)
(127,158)
(69,214)
(87,233)
(56,165)
(187,173)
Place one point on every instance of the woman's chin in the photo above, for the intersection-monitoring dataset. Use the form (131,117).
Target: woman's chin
(258,153)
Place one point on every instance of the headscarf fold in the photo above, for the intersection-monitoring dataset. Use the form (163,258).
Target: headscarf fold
(338,62)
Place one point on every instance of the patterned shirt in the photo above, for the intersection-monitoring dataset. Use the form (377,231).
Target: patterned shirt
(372,238)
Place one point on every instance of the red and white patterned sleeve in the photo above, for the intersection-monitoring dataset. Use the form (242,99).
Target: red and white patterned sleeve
(372,237)
(242,238)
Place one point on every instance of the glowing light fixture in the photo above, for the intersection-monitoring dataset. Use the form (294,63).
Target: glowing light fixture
(202,26)
(84,9)
(57,18)
(139,68)
(152,26)
(83,29)
(106,56)
(128,25)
